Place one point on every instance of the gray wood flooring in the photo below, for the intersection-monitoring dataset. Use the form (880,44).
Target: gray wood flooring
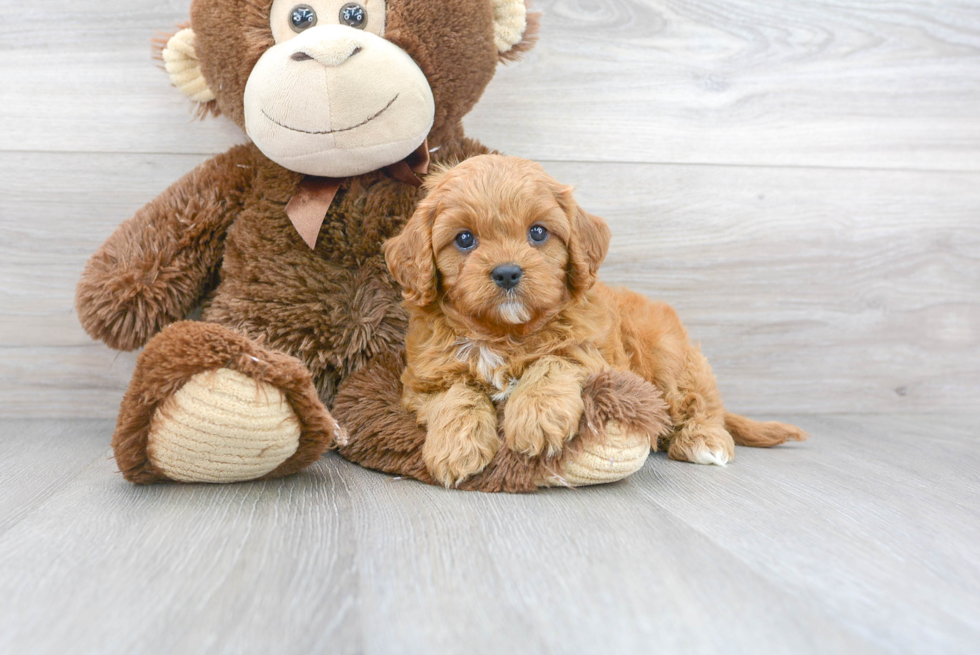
(863,539)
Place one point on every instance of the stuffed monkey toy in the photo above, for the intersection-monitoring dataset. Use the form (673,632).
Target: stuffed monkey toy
(280,242)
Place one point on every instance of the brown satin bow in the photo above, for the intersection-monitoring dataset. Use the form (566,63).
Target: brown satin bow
(308,207)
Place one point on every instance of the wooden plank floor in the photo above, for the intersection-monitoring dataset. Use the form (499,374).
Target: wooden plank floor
(863,539)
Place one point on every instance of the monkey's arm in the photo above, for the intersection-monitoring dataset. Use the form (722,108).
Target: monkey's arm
(158,265)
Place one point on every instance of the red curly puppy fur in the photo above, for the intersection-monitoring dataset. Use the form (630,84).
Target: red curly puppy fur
(498,266)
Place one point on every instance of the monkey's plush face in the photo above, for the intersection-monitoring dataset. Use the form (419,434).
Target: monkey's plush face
(332,97)
(343,87)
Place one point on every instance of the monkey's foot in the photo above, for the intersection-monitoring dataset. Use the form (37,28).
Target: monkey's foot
(617,455)
(623,416)
(208,405)
(222,426)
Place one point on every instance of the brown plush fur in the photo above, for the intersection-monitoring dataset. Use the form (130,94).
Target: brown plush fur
(470,339)
(220,235)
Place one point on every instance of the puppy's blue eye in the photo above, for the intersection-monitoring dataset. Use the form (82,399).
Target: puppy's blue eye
(537,234)
(465,240)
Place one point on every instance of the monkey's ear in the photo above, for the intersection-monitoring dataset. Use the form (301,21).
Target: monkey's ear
(588,243)
(180,60)
(410,258)
(514,29)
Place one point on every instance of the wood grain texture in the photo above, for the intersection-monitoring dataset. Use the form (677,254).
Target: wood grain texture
(809,289)
(39,458)
(108,567)
(889,84)
(876,512)
(857,84)
(861,540)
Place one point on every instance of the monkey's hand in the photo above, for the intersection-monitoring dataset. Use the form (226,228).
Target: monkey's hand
(158,265)
(544,410)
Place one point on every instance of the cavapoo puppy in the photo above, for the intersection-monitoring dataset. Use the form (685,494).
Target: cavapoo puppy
(498,266)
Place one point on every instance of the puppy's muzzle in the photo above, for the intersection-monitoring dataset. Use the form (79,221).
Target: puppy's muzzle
(507,276)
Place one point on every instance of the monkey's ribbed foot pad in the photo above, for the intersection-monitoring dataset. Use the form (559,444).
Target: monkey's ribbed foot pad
(618,456)
(222,426)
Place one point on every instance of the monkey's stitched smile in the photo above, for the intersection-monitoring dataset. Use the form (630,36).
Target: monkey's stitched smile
(343,129)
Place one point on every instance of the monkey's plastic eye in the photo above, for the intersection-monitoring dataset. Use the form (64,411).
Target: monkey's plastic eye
(537,234)
(353,15)
(302,17)
(465,240)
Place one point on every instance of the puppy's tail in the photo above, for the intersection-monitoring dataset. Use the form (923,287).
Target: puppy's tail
(747,432)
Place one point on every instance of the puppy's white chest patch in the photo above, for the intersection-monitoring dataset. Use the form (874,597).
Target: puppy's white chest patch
(504,393)
(490,365)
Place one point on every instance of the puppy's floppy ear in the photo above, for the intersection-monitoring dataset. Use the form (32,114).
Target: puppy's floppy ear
(587,245)
(410,258)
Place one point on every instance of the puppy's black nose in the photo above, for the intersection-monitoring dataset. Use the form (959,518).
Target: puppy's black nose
(507,275)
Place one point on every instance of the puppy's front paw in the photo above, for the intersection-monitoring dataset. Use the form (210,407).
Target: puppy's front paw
(451,459)
(542,421)
(461,438)
(702,445)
